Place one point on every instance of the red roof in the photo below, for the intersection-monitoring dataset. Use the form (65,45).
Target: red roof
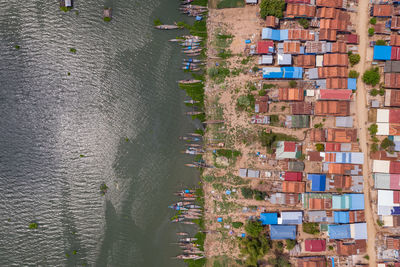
(330,147)
(263,47)
(352,38)
(395,53)
(394,167)
(298,1)
(396,196)
(289,147)
(335,94)
(293,176)
(315,245)
(394,115)
(382,10)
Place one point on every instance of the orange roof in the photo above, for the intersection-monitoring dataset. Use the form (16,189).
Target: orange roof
(271,21)
(301,34)
(293,187)
(395,23)
(395,40)
(334,24)
(327,12)
(339,47)
(351,248)
(311,262)
(383,10)
(393,242)
(317,135)
(299,10)
(357,216)
(336,83)
(306,61)
(291,47)
(330,3)
(335,108)
(332,72)
(341,135)
(327,35)
(336,59)
(341,168)
(291,94)
(316,203)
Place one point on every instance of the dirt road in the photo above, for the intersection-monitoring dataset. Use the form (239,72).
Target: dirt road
(362,116)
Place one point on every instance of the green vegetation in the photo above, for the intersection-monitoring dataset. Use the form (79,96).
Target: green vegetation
(224,54)
(290,244)
(245,102)
(245,61)
(319,125)
(353,74)
(17,47)
(304,22)
(65,8)
(373,129)
(229,154)
(196,263)
(283,108)
(272,8)
(33,225)
(379,223)
(200,2)
(196,92)
(157,22)
(320,147)
(74,252)
(330,247)
(81,156)
(292,84)
(374,147)
(387,145)
(374,92)
(381,91)
(354,59)
(253,228)
(230,4)
(371,31)
(262,92)
(255,245)
(372,76)
(366,257)
(311,228)
(274,120)
(269,139)
(218,74)
(267,86)
(249,193)
(103,189)
(107,19)
(126,139)
(255,69)
(69,73)
(72,50)
(279,260)
(372,21)
(237,224)
(380,42)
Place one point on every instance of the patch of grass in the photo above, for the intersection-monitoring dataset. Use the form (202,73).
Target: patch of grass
(311,228)
(218,74)
(246,102)
(224,54)
(200,2)
(33,225)
(72,50)
(237,224)
(230,4)
(196,263)
(269,139)
(245,61)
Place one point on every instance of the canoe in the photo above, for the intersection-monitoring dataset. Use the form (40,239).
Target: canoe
(191,69)
(192,113)
(198,50)
(167,27)
(189,81)
(182,233)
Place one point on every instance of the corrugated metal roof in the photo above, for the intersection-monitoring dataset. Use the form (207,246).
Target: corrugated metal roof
(283,232)
(318,182)
(269,218)
(346,122)
(291,217)
(337,231)
(358,231)
(382,52)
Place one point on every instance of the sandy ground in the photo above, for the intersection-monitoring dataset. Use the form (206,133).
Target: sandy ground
(362,112)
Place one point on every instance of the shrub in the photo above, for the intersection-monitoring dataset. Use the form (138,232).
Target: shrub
(371,76)
(267,86)
(330,247)
(381,92)
(381,42)
(304,22)
(374,147)
(290,244)
(320,147)
(72,50)
(107,19)
(17,47)
(354,59)
(374,92)
(247,192)
(254,228)
(272,8)
(292,84)
(353,74)
(262,92)
(237,224)
(244,102)
(372,21)
(268,139)
(373,129)
(273,119)
(387,144)
(318,125)
(33,225)
(254,248)
(379,222)
(283,108)
(371,31)
(260,195)
(311,228)
(255,69)
(366,257)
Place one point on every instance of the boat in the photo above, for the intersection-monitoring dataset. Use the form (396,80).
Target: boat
(194,54)
(193,60)
(182,233)
(193,145)
(190,138)
(178,219)
(193,251)
(187,222)
(174,207)
(188,239)
(175,40)
(190,102)
(192,152)
(189,257)
(189,81)
(167,27)
(180,203)
(189,198)
(192,206)
(193,113)
(192,51)
(191,69)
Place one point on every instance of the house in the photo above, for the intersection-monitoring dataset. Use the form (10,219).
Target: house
(68,3)
(386,166)
(293,187)
(395,25)
(395,40)
(284,199)
(335,24)
(287,150)
(282,72)
(387,181)
(340,168)
(291,94)
(271,22)
(284,59)
(279,232)
(311,262)
(292,47)
(318,47)
(333,72)
(331,3)
(380,28)
(336,83)
(315,245)
(392,80)
(292,176)
(272,34)
(388,115)
(348,202)
(327,12)
(339,47)
(301,108)
(305,61)
(297,121)
(333,108)
(345,182)
(346,248)
(336,60)
(265,47)
(351,38)
(357,231)
(393,242)
(314,156)
(269,218)
(295,166)
(388,202)
(317,135)
(382,52)
(383,11)
(392,98)
(301,35)
(318,182)
(395,55)
(344,157)
(319,216)
(266,60)
(298,1)
(291,217)
(300,11)
(252,2)
(346,122)
(334,94)
(261,104)
(327,35)
(341,135)
(392,66)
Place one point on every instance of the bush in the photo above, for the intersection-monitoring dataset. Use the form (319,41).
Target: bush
(353,74)
(318,125)
(381,42)
(272,8)
(268,139)
(247,192)
(237,224)
(262,92)
(320,147)
(267,86)
(255,69)
(290,244)
(72,50)
(379,222)
(245,102)
(387,144)
(374,92)
(371,76)
(273,120)
(374,147)
(304,22)
(17,47)
(107,19)
(381,92)
(371,31)
(311,228)
(260,195)
(292,84)
(254,228)
(372,21)
(33,225)
(373,129)
(330,247)
(254,248)
(354,59)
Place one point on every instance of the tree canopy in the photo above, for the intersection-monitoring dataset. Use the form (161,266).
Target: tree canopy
(371,76)
(272,8)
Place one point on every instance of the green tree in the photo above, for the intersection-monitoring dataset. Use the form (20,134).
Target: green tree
(354,59)
(33,225)
(371,31)
(387,144)
(247,192)
(292,84)
(253,228)
(380,42)
(373,129)
(237,224)
(272,8)
(290,244)
(374,92)
(372,21)
(374,147)
(320,147)
(371,76)
(262,92)
(353,74)
(304,22)
(311,228)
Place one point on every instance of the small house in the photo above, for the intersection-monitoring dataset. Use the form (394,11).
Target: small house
(288,150)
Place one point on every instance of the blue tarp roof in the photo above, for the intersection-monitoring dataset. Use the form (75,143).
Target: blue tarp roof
(339,231)
(318,182)
(269,218)
(395,211)
(341,216)
(357,202)
(382,52)
(282,73)
(352,83)
(283,232)
(276,35)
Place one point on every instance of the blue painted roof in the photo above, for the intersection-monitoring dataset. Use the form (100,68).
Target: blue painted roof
(339,231)
(357,201)
(276,35)
(283,232)
(352,83)
(395,211)
(269,218)
(341,216)
(292,72)
(318,182)
(382,52)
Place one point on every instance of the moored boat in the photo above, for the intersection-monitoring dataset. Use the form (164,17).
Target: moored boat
(189,81)
(167,27)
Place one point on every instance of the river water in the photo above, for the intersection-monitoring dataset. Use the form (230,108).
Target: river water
(122,84)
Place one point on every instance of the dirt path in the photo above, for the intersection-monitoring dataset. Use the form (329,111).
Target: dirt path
(361,115)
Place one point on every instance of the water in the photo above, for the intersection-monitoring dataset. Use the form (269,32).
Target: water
(122,85)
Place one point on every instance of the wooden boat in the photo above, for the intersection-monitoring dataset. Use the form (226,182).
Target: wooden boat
(182,233)
(190,138)
(194,54)
(191,69)
(192,113)
(192,51)
(178,220)
(175,40)
(167,27)
(181,203)
(189,198)
(188,222)
(189,82)
(193,60)
(188,239)
(192,206)
(190,102)
(192,152)
(193,251)
(189,257)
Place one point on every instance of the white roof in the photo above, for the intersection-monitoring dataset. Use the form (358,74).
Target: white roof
(383,128)
(385,198)
(382,115)
(265,59)
(319,60)
(381,166)
(358,231)
(284,59)
(387,221)
(310,92)
(251,1)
